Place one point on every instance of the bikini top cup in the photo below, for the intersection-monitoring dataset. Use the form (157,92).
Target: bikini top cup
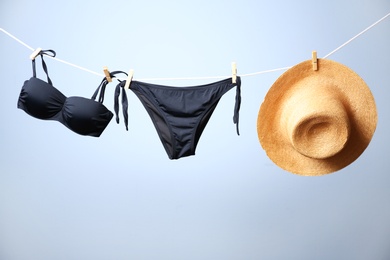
(84,116)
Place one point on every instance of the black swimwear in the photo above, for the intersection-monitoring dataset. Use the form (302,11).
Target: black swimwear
(42,100)
(180,114)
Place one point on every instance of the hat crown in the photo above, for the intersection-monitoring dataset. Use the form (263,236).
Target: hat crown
(316,121)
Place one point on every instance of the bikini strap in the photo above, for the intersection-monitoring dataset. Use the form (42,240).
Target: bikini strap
(50,53)
(102,88)
(124,101)
(238,104)
(125,105)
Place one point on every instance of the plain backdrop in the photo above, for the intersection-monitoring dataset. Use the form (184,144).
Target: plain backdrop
(64,196)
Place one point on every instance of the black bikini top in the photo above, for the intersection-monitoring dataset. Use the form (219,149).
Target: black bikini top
(84,116)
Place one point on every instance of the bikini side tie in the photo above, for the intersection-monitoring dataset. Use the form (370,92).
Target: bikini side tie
(237,105)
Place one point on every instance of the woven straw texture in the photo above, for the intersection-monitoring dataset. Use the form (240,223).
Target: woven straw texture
(316,122)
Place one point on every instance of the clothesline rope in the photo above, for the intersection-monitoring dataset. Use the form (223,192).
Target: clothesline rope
(198,78)
(357,35)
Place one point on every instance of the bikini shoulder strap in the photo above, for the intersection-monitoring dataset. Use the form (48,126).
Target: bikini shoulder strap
(50,53)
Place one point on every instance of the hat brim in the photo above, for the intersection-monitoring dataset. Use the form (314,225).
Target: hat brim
(360,106)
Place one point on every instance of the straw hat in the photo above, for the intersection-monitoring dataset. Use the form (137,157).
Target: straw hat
(314,122)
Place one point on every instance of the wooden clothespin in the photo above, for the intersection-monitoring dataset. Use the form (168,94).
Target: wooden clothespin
(107,73)
(314,60)
(35,53)
(234,72)
(129,78)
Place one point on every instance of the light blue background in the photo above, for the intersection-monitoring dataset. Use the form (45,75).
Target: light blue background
(64,196)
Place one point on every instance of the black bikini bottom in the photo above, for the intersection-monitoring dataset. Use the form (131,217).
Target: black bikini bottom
(180,114)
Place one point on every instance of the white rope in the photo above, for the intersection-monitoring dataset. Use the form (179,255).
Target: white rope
(264,71)
(357,35)
(184,78)
(198,78)
(16,39)
(77,66)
